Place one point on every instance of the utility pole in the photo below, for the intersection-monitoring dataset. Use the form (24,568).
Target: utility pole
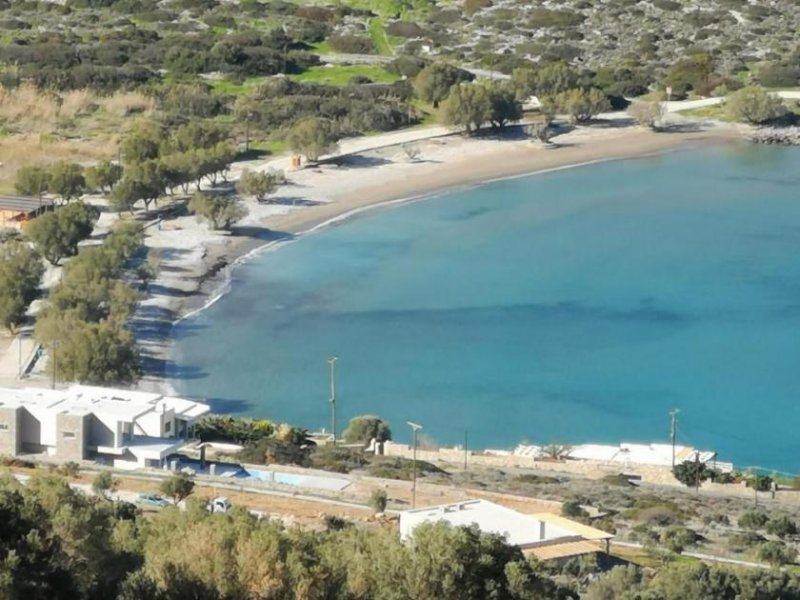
(465,449)
(696,471)
(414,428)
(673,431)
(332,362)
(55,365)
(755,487)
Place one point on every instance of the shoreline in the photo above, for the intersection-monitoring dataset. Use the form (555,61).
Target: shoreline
(198,268)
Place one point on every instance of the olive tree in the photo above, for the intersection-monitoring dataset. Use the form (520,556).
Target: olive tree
(259,185)
(434,82)
(21,270)
(57,234)
(365,428)
(220,212)
(312,137)
(66,180)
(582,105)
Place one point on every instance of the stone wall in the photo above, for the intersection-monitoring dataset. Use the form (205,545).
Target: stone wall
(71,434)
(10,431)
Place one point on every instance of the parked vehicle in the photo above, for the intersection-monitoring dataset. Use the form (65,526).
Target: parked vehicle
(152,500)
(220,504)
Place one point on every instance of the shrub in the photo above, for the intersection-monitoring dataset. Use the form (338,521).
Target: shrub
(677,539)
(334,523)
(378,501)
(337,459)
(572,508)
(365,428)
(691,473)
(777,553)
(753,520)
(781,526)
(753,104)
(351,44)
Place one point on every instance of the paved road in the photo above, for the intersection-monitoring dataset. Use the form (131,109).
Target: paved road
(678,106)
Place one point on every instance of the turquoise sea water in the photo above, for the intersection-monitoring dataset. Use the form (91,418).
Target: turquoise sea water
(573,306)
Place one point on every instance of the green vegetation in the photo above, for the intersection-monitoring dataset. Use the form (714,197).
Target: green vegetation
(753,104)
(178,487)
(342,75)
(365,428)
(57,234)
(21,270)
(258,185)
(312,137)
(221,212)
(470,106)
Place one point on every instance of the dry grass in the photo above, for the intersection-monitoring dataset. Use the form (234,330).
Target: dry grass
(125,104)
(30,149)
(81,126)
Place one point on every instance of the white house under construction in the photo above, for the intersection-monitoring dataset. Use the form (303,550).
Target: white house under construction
(128,429)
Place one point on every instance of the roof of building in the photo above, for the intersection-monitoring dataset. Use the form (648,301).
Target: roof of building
(22,203)
(519,529)
(585,531)
(563,550)
(623,454)
(122,405)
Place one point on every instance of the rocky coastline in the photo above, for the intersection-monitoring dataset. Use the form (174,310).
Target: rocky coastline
(784,136)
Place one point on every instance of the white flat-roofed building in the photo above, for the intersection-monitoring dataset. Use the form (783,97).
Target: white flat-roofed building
(129,428)
(544,535)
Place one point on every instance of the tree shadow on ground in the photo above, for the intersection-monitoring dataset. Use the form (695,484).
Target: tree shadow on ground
(264,234)
(358,161)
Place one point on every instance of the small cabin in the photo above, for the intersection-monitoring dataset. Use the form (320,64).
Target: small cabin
(18,210)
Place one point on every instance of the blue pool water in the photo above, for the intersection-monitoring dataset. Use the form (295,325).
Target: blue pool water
(574,306)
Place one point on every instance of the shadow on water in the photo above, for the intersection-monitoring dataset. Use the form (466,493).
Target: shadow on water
(162,367)
(229,405)
(263,234)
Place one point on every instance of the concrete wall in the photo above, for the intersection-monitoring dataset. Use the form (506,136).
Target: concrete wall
(72,432)
(100,434)
(585,468)
(10,431)
(154,424)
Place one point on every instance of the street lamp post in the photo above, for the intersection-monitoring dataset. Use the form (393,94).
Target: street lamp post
(55,366)
(414,428)
(332,362)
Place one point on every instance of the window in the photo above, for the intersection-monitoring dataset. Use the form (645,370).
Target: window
(3,427)
(68,435)
(167,426)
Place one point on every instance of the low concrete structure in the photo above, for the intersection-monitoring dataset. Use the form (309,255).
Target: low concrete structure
(125,428)
(546,536)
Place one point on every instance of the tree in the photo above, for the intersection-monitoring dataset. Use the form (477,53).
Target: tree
(752,104)
(177,487)
(434,82)
(647,114)
(777,553)
(258,184)
(366,428)
(103,176)
(103,484)
(505,108)
(468,106)
(621,583)
(220,211)
(66,180)
(57,234)
(312,137)
(582,105)
(21,270)
(554,78)
(143,142)
(378,501)
(692,473)
(32,180)
(572,508)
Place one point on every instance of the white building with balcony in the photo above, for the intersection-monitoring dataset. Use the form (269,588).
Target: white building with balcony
(129,429)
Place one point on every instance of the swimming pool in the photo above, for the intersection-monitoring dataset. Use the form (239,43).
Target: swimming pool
(306,481)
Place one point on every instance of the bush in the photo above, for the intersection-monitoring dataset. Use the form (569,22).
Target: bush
(572,508)
(753,520)
(781,526)
(691,473)
(351,44)
(753,104)
(334,523)
(401,468)
(378,501)
(365,428)
(337,459)
(744,541)
(677,539)
(777,553)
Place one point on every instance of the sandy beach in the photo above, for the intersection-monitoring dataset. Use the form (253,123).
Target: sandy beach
(195,262)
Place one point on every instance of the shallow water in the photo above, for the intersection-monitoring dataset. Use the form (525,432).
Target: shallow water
(573,306)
